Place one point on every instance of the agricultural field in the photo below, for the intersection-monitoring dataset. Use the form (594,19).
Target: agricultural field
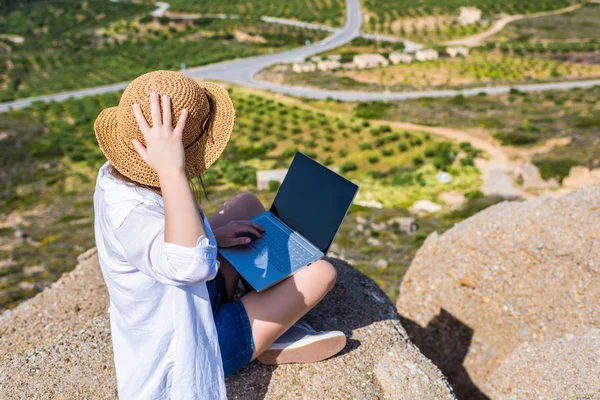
(50,58)
(329,12)
(516,119)
(435,20)
(480,68)
(581,25)
(49,159)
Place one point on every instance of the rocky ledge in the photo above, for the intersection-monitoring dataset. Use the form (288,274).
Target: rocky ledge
(58,345)
(517,272)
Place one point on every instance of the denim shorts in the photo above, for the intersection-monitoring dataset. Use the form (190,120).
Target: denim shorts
(233,327)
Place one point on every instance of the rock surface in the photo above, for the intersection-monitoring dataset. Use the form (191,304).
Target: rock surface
(516,272)
(565,368)
(58,345)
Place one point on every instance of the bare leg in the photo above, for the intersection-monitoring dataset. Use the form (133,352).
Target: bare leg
(241,207)
(275,310)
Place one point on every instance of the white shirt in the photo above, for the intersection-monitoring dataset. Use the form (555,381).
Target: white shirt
(164,338)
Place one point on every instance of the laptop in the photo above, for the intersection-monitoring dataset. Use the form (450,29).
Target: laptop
(300,226)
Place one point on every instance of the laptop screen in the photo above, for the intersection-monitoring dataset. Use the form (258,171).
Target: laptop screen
(313,200)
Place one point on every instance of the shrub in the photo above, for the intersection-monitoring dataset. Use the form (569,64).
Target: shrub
(343,153)
(516,138)
(402,147)
(371,110)
(289,152)
(274,186)
(385,129)
(240,175)
(415,142)
(375,131)
(387,152)
(373,159)
(365,145)
(474,194)
(554,168)
(311,154)
(328,160)
(417,161)
(467,161)
(347,167)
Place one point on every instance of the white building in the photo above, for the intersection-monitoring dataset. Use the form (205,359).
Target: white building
(457,51)
(348,65)
(328,65)
(396,58)
(315,58)
(469,15)
(304,67)
(374,60)
(427,55)
(334,57)
(264,177)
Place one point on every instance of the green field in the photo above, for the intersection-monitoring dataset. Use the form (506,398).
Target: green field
(330,12)
(49,158)
(480,68)
(434,20)
(583,24)
(518,119)
(116,42)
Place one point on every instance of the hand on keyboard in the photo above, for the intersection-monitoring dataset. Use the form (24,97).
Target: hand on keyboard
(237,233)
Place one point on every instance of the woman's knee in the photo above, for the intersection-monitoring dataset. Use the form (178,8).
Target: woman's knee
(319,274)
(249,203)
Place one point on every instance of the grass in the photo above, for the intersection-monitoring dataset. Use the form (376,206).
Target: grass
(480,68)
(50,157)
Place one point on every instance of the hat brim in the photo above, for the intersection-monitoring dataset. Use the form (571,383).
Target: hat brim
(198,157)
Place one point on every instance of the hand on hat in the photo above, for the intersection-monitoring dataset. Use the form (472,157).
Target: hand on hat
(164,149)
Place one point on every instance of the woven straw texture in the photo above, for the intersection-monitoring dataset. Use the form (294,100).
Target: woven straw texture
(116,126)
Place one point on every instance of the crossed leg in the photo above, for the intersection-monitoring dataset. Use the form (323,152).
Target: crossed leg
(274,310)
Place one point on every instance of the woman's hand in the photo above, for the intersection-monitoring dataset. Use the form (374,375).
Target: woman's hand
(230,234)
(164,149)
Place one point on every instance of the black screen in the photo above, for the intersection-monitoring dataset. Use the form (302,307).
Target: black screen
(313,200)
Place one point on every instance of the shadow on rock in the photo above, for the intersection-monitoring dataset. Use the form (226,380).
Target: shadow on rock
(359,308)
(446,341)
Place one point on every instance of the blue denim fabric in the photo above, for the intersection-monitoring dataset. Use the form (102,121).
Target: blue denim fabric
(233,327)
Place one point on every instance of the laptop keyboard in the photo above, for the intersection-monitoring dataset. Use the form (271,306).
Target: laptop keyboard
(283,250)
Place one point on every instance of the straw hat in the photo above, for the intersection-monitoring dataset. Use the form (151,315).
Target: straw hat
(116,126)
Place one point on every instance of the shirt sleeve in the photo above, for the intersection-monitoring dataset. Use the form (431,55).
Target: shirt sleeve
(142,236)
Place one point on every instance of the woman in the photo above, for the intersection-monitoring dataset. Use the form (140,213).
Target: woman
(176,329)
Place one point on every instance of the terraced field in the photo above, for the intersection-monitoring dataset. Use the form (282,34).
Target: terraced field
(49,158)
(330,12)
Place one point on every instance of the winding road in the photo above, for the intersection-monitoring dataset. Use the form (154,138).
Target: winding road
(242,72)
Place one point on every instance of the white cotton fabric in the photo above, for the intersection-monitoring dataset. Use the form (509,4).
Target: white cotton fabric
(164,337)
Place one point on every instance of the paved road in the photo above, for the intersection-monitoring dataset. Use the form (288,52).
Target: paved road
(242,72)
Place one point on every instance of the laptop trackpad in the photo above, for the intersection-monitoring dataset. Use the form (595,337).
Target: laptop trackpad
(251,264)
